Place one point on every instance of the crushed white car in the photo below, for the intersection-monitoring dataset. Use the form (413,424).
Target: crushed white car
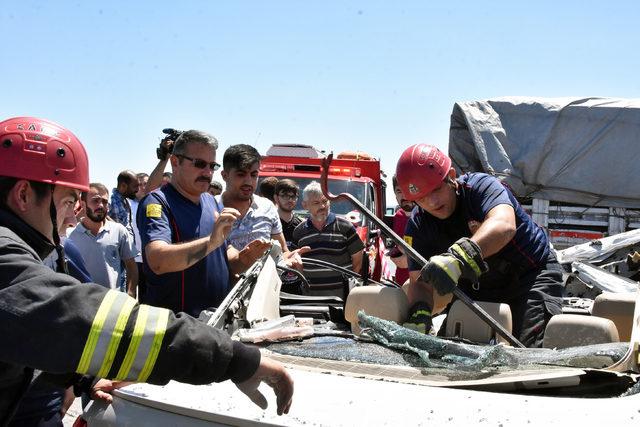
(346,379)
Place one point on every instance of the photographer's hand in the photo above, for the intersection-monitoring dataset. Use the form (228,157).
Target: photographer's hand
(165,149)
(163,152)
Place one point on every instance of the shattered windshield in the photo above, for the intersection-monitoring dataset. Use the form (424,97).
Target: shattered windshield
(394,345)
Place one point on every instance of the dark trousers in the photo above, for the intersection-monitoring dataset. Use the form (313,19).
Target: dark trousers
(53,419)
(533,296)
(142,282)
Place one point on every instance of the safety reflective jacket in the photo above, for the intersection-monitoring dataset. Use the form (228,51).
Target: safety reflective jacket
(51,322)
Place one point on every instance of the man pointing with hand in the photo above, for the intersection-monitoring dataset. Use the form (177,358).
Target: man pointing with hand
(183,231)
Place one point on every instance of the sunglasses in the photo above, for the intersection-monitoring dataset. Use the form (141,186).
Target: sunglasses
(201,164)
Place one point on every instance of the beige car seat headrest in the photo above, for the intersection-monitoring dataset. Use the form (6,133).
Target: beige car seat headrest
(464,323)
(572,330)
(380,301)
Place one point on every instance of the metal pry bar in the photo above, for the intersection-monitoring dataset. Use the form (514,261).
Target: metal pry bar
(473,306)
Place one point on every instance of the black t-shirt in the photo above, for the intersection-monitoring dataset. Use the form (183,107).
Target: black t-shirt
(287,230)
(478,194)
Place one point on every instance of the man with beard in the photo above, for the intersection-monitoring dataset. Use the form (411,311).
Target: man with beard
(106,245)
(400,220)
(120,205)
(183,230)
(331,239)
(258,218)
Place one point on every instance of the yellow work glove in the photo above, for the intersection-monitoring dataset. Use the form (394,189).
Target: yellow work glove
(463,260)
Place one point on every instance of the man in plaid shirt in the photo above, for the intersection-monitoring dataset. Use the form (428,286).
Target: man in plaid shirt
(119,207)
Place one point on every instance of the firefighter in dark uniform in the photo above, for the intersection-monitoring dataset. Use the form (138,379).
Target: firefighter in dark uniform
(52,323)
(476,236)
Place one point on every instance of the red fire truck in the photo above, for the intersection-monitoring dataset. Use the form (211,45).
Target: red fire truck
(356,173)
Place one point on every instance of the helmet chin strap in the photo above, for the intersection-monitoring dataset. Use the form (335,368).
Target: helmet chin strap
(53,213)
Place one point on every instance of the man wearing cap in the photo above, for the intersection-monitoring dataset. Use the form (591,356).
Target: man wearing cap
(476,236)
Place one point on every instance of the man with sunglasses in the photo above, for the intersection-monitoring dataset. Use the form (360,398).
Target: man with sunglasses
(183,232)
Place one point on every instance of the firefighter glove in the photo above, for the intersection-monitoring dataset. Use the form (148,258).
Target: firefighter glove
(442,272)
(420,319)
(472,264)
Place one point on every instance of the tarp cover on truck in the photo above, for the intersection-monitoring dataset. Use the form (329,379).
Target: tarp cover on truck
(572,150)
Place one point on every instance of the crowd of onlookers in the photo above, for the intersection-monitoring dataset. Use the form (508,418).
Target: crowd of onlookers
(179,239)
(122,239)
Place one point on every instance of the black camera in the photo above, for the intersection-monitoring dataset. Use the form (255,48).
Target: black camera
(166,143)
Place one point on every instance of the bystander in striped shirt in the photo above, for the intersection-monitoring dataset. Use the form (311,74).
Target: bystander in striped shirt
(335,243)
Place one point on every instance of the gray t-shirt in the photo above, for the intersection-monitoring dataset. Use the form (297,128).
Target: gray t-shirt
(260,222)
(104,254)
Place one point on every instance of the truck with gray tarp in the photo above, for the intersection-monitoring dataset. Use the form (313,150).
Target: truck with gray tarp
(572,162)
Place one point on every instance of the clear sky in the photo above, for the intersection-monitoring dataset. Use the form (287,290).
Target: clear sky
(376,76)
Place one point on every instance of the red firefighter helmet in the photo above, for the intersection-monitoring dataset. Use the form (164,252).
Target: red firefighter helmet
(42,151)
(420,170)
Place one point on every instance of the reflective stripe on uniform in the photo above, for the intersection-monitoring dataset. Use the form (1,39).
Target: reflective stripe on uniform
(161,327)
(116,336)
(106,333)
(108,328)
(96,330)
(145,343)
(136,337)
